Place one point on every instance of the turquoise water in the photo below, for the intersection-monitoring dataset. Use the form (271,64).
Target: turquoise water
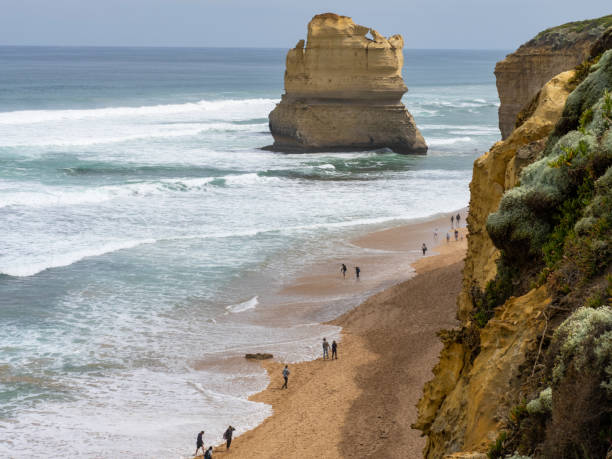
(141,224)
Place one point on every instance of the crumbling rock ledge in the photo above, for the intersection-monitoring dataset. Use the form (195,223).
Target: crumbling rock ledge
(343,92)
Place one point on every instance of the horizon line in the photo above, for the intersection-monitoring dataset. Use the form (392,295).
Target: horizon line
(220,47)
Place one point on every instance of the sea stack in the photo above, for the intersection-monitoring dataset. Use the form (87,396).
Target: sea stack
(343,92)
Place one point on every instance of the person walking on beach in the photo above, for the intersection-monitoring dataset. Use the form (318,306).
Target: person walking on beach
(208,453)
(325,349)
(227,436)
(447,238)
(357,271)
(286,373)
(424,248)
(456,235)
(452,220)
(343,270)
(436,234)
(334,350)
(458,217)
(199,443)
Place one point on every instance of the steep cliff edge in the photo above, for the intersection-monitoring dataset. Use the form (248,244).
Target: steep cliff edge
(521,74)
(343,92)
(530,369)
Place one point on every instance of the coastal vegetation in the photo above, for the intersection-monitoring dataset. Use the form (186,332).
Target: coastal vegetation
(534,379)
(560,219)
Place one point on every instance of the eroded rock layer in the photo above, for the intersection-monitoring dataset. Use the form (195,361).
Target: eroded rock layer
(521,74)
(343,92)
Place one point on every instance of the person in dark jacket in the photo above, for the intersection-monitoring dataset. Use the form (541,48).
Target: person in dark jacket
(208,453)
(334,350)
(343,270)
(285,376)
(227,436)
(199,443)
(357,271)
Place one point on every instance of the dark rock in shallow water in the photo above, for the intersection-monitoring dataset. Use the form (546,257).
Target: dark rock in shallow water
(258,356)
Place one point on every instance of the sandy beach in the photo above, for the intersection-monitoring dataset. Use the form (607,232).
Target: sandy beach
(362,404)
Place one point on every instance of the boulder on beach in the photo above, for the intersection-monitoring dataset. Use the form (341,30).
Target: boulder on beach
(258,356)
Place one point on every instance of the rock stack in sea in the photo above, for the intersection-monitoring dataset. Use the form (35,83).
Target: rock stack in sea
(343,92)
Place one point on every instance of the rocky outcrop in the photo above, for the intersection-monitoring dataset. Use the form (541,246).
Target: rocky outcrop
(468,416)
(521,74)
(343,91)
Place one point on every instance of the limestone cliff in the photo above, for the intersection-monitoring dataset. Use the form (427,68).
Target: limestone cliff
(521,74)
(521,374)
(497,171)
(460,409)
(343,92)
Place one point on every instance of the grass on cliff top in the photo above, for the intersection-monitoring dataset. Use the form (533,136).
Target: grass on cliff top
(601,23)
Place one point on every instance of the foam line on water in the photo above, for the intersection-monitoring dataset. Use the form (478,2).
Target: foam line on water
(18,268)
(202,106)
(244,306)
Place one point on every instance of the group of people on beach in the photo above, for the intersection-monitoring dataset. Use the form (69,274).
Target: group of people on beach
(326,347)
(455,222)
(344,269)
(208,453)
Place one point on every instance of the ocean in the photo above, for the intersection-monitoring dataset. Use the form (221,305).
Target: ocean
(142,230)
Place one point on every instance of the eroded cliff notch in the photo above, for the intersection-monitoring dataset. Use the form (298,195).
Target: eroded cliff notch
(343,90)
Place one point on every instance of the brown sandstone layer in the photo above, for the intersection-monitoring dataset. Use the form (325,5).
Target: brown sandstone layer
(521,74)
(343,91)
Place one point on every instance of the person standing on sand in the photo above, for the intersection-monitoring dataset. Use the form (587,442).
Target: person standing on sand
(436,234)
(357,271)
(227,436)
(208,453)
(452,220)
(334,350)
(286,373)
(456,235)
(424,248)
(447,238)
(325,349)
(343,270)
(458,217)
(199,443)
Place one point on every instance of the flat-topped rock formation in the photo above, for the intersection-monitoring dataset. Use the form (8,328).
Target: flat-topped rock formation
(523,73)
(343,91)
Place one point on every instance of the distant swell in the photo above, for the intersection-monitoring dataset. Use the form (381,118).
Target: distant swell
(433,142)
(203,106)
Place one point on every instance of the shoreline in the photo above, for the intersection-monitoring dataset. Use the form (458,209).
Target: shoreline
(342,389)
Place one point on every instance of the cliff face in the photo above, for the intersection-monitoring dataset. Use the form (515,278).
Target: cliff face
(521,74)
(343,92)
(537,278)
(461,407)
(497,171)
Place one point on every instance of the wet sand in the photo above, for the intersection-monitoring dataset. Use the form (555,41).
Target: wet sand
(362,404)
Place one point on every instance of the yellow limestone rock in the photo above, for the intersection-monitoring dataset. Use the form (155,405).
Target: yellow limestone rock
(463,405)
(343,92)
(497,171)
(469,416)
(521,74)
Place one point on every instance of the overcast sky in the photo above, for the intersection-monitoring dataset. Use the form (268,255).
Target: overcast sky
(472,24)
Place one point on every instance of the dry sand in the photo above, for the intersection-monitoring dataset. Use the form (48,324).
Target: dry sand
(362,404)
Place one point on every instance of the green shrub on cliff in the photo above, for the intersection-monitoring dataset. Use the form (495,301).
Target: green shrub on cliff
(557,209)
(580,359)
